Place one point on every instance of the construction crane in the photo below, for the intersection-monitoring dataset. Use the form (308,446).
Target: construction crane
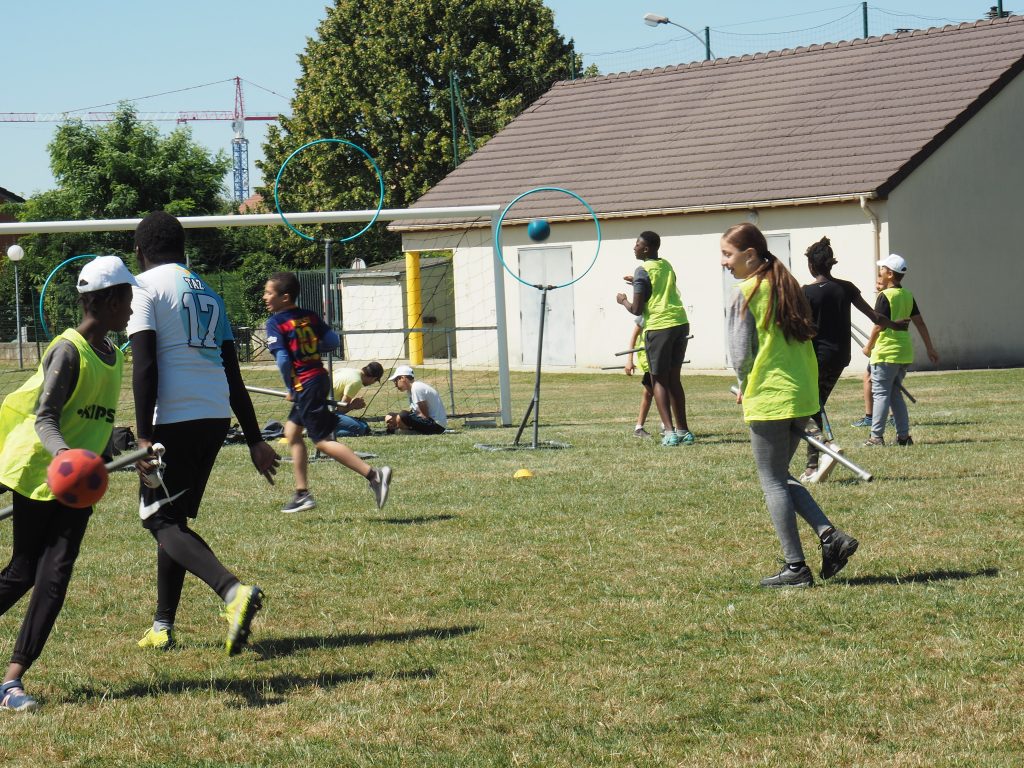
(238,118)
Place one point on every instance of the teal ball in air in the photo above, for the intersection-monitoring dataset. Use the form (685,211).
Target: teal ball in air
(538,230)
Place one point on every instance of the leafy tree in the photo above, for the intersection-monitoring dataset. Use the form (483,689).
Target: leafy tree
(121,169)
(379,74)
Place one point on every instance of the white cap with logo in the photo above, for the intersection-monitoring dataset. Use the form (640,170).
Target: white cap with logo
(402,370)
(104,272)
(896,263)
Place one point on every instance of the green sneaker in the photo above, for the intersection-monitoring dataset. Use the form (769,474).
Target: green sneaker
(161,641)
(670,439)
(239,614)
(685,437)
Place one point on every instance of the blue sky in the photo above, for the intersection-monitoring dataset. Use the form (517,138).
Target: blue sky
(62,55)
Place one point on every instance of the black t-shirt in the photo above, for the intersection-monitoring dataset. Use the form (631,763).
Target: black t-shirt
(830,306)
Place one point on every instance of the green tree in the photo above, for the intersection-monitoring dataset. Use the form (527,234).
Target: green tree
(378,74)
(121,169)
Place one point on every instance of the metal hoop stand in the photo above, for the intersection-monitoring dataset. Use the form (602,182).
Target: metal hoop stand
(534,407)
(327,242)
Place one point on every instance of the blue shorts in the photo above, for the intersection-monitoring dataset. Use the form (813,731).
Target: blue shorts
(310,410)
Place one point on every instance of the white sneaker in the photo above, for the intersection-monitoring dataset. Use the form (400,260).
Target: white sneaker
(825,466)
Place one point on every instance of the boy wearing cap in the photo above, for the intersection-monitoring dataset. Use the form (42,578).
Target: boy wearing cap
(891,351)
(69,402)
(297,337)
(426,414)
(347,384)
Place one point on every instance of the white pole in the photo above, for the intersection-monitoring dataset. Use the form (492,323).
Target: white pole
(253,220)
(504,387)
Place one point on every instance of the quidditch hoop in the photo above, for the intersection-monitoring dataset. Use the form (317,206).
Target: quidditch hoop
(570,193)
(380,188)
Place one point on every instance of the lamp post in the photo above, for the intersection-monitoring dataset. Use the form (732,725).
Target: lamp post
(16,253)
(654,19)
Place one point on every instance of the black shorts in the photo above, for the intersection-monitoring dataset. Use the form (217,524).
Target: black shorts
(666,348)
(191,448)
(310,410)
(422,424)
(646,380)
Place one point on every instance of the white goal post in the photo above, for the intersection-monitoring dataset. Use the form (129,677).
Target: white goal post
(458,213)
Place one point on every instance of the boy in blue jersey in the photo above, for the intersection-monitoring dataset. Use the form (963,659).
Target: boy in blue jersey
(186,383)
(297,337)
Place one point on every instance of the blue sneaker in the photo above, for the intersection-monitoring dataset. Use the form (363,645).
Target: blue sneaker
(671,439)
(685,436)
(13,696)
(863,421)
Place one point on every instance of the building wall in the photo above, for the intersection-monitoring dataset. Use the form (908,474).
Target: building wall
(955,220)
(690,243)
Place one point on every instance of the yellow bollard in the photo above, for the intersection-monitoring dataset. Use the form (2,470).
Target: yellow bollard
(414,306)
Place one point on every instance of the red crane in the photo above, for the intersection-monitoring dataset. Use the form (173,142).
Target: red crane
(238,118)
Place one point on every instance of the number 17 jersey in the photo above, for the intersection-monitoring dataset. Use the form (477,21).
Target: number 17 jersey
(191,324)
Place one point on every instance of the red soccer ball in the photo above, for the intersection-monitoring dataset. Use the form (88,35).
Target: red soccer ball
(77,478)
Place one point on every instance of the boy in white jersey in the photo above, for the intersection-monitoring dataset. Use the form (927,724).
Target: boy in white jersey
(186,382)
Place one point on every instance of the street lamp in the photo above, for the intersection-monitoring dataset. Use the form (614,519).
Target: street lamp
(16,253)
(654,19)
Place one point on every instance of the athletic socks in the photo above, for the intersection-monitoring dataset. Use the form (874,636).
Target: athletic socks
(160,626)
(796,566)
(232,591)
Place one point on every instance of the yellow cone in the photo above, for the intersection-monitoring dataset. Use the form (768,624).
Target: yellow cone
(522,474)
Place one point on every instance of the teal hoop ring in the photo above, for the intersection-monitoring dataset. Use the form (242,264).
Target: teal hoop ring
(46,283)
(380,188)
(570,193)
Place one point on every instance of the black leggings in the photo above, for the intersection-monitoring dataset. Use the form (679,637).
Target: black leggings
(192,448)
(47,537)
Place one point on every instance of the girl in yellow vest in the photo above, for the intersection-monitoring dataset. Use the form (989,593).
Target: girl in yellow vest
(770,329)
(70,402)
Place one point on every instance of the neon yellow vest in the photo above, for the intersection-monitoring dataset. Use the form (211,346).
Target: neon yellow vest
(895,346)
(783,382)
(664,308)
(86,421)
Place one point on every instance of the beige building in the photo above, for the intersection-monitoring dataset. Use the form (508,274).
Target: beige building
(910,143)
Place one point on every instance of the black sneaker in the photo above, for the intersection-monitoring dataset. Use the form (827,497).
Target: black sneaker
(905,441)
(301,501)
(836,548)
(787,577)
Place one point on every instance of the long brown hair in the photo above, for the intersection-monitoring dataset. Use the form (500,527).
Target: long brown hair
(787,306)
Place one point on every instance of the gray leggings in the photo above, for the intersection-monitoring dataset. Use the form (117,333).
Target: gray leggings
(774,443)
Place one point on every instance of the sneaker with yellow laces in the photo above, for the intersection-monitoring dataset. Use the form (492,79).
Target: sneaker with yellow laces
(161,640)
(239,614)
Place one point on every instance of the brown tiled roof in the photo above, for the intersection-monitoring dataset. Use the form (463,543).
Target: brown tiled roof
(828,120)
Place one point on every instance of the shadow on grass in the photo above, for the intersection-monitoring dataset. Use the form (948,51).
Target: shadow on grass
(412,520)
(257,692)
(285,646)
(925,577)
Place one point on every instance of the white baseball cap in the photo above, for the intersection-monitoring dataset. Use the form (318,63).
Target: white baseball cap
(104,272)
(402,370)
(896,263)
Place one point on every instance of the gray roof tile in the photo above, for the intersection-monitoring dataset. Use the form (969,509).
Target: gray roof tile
(835,119)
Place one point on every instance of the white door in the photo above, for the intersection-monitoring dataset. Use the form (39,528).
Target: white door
(778,245)
(547,266)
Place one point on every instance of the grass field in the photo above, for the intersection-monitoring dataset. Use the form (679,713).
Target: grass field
(604,613)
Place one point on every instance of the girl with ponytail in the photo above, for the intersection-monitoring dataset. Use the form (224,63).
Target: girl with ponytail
(770,328)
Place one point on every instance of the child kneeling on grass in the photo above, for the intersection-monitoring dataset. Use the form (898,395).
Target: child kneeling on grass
(69,402)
